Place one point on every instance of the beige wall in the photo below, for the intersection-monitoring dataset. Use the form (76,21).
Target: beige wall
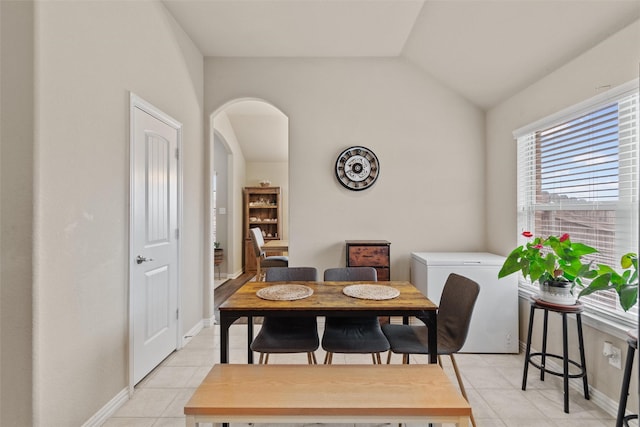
(612,62)
(429,140)
(88,56)
(16,211)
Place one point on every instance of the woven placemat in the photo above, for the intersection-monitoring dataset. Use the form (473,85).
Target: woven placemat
(289,292)
(375,292)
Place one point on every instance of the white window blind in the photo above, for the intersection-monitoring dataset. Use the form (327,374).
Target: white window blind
(578,174)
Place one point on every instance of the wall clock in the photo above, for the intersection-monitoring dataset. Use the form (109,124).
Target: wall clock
(357,168)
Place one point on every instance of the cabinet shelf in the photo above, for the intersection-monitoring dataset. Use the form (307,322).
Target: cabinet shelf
(262,208)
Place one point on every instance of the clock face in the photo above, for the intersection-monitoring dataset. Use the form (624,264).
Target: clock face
(357,168)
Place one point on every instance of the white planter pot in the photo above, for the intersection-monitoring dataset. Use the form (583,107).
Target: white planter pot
(558,293)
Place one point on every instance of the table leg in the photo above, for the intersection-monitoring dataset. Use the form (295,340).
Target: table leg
(225,323)
(249,339)
(432,338)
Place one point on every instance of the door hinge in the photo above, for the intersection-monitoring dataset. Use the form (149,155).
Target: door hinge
(177,233)
(177,153)
(178,314)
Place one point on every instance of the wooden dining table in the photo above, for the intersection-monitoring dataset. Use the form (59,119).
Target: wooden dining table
(327,299)
(276,246)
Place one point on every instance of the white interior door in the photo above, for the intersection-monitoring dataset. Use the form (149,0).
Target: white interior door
(154,236)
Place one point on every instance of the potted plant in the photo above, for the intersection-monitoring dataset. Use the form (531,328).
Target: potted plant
(556,264)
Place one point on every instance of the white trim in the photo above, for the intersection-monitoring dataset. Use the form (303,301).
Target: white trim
(210,322)
(100,417)
(211,269)
(137,102)
(577,109)
(192,333)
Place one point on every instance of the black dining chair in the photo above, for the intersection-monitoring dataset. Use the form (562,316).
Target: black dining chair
(357,334)
(454,317)
(288,334)
(262,260)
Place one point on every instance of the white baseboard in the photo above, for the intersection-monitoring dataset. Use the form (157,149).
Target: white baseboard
(108,410)
(236,274)
(195,330)
(210,322)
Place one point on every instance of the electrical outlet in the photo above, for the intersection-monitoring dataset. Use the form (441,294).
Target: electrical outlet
(615,359)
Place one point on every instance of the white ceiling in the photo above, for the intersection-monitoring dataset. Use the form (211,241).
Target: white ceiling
(486,50)
(261,130)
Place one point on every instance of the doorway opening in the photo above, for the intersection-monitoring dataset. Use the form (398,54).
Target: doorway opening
(249,143)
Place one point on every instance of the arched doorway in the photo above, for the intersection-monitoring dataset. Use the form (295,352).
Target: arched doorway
(255,137)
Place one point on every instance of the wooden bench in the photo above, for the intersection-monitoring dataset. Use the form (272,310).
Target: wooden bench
(327,393)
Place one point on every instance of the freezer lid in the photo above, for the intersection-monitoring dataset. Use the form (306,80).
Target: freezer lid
(417,256)
(458,258)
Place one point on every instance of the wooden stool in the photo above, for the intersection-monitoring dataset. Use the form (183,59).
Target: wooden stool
(564,311)
(624,393)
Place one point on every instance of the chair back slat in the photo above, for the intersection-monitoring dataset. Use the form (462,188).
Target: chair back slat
(348,274)
(257,240)
(284,274)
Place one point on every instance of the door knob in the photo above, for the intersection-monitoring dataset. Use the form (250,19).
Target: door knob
(140,259)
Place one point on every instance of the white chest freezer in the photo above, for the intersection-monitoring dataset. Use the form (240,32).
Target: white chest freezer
(494,324)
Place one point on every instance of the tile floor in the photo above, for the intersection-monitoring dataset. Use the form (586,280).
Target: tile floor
(492,382)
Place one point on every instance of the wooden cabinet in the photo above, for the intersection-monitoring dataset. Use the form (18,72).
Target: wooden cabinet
(262,208)
(370,253)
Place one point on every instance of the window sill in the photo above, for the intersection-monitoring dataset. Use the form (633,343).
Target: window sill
(601,322)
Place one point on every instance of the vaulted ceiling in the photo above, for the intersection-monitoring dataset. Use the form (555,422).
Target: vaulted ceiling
(486,50)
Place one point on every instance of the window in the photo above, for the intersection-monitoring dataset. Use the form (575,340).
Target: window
(578,174)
